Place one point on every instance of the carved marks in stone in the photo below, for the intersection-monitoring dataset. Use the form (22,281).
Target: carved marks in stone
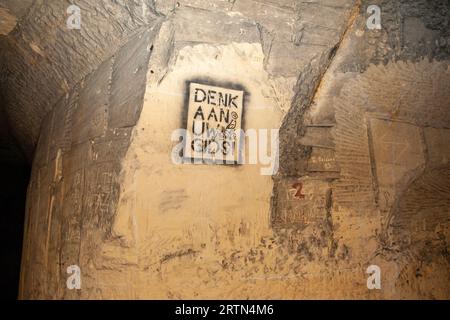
(90,118)
(398,152)
(128,81)
(422,212)
(106,27)
(78,161)
(100,197)
(323,160)
(300,202)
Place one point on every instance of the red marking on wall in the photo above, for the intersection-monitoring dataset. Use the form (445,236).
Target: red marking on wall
(298,187)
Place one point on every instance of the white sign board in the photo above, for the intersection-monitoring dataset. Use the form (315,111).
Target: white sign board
(214,123)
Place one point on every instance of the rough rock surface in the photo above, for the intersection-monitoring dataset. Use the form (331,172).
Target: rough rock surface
(42,47)
(364,120)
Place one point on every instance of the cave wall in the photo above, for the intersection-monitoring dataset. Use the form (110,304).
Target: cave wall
(363,172)
(74,186)
(40,46)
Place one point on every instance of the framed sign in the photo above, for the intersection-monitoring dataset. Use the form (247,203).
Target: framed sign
(214,123)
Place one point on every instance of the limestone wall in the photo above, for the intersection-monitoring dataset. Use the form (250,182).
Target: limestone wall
(363,173)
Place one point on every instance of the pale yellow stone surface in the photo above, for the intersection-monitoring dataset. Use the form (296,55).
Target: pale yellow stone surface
(185,218)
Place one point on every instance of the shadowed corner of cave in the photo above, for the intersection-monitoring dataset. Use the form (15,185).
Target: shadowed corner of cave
(14,177)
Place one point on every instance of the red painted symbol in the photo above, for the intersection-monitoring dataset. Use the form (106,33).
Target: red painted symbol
(298,187)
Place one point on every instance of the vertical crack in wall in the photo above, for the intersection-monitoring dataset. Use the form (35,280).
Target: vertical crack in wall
(266,39)
(294,155)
